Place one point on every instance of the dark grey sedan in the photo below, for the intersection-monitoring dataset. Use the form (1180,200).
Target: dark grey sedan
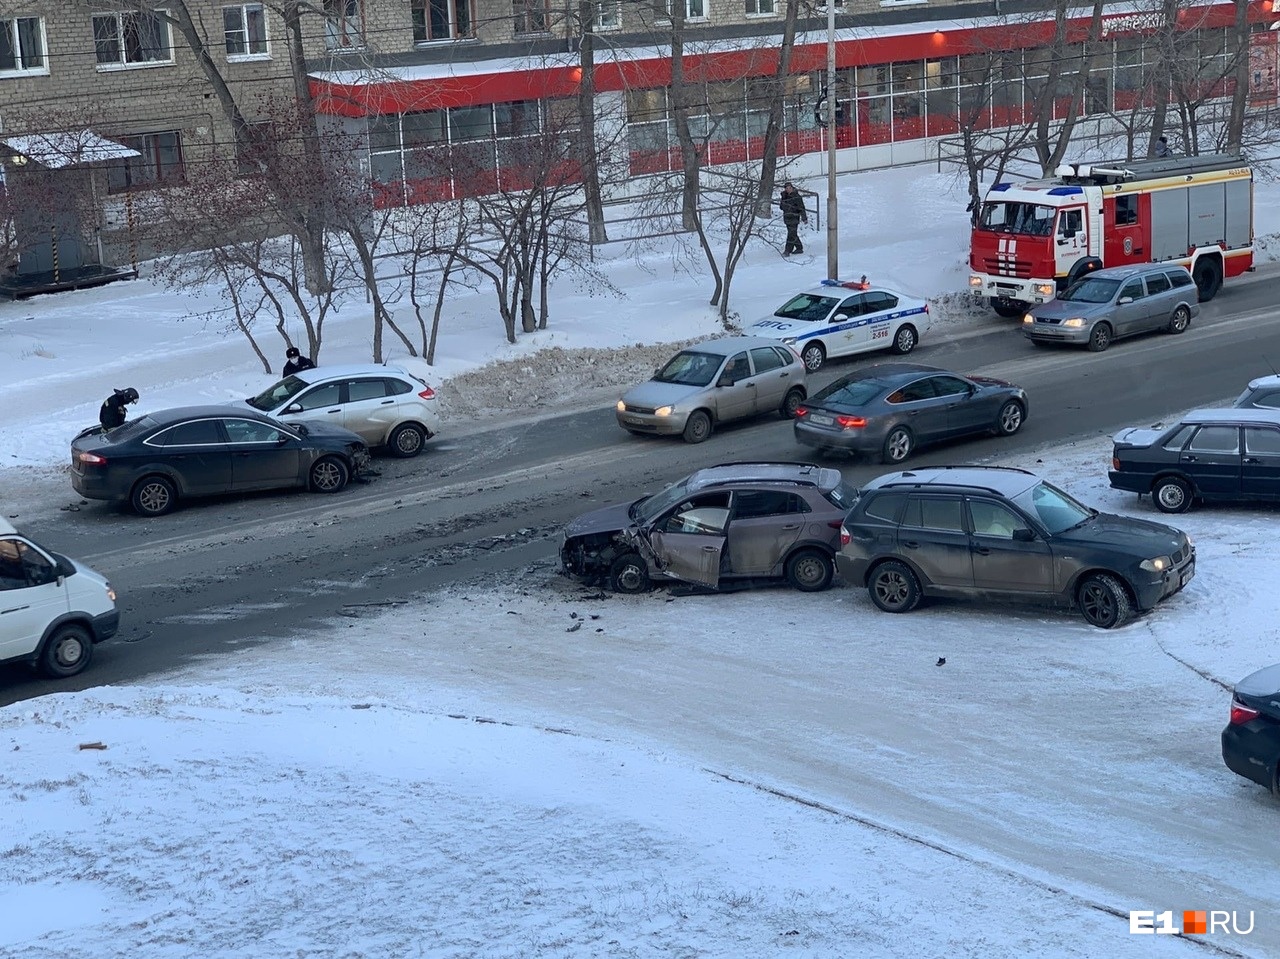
(155,460)
(892,408)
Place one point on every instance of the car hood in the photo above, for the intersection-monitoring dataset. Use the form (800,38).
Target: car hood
(992,381)
(607,519)
(781,328)
(1137,437)
(1066,309)
(655,394)
(90,574)
(1139,536)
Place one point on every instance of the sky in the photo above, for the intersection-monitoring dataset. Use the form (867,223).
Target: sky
(533,789)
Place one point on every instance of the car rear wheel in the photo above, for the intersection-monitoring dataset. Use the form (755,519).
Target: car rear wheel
(153,496)
(814,356)
(1100,338)
(810,571)
(629,574)
(1010,419)
(906,339)
(406,440)
(894,587)
(698,427)
(1180,320)
(897,445)
(329,475)
(790,403)
(1171,494)
(1103,601)
(68,652)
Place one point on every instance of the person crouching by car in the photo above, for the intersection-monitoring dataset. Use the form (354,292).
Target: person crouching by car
(112,413)
(295,362)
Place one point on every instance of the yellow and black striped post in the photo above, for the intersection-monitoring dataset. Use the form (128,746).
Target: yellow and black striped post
(53,240)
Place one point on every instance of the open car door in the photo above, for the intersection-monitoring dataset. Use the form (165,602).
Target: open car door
(692,557)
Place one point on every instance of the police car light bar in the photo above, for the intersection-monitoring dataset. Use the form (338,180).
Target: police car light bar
(861,284)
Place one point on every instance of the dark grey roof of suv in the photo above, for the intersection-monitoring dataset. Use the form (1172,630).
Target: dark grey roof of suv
(1005,480)
(804,474)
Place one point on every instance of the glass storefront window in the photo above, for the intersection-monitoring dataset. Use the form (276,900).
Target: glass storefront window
(420,128)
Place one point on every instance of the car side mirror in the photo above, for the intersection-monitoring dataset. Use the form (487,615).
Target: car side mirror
(64,567)
(1023,535)
(1123,300)
(293,408)
(281,439)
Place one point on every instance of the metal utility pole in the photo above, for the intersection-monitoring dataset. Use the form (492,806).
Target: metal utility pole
(833,231)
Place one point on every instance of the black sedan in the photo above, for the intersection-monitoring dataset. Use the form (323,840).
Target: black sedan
(159,458)
(1251,741)
(890,409)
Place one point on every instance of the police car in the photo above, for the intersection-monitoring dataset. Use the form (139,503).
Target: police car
(843,317)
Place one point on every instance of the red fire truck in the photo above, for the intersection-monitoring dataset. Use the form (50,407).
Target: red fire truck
(1035,238)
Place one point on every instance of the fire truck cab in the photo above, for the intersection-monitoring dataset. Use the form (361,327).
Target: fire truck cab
(1035,238)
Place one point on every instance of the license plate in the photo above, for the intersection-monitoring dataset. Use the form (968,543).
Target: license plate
(633,419)
(820,419)
(1186,575)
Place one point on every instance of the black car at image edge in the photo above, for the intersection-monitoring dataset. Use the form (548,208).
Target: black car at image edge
(1251,740)
(160,458)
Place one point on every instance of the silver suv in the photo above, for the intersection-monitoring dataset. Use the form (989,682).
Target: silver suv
(731,524)
(1116,302)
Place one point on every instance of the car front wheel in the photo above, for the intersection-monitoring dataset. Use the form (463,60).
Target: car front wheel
(810,571)
(698,427)
(1171,494)
(629,574)
(1103,601)
(814,356)
(154,496)
(329,475)
(894,587)
(68,652)
(1100,338)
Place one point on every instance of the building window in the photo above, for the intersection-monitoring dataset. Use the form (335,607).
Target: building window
(245,28)
(22,45)
(159,165)
(255,149)
(450,19)
(343,24)
(608,14)
(530,16)
(131,39)
(693,9)
(756,8)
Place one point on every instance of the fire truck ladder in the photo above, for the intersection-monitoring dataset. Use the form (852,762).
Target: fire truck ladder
(1118,171)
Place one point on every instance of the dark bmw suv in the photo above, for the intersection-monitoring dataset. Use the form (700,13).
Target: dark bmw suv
(1000,533)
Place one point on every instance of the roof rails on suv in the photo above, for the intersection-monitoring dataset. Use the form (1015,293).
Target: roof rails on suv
(765,472)
(930,475)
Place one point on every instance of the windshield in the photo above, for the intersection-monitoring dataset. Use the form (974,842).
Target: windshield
(1030,219)
(646,510)
(272,397)
(848,395)
(690,368)
(1055,510)
(809,307)
(1091,289)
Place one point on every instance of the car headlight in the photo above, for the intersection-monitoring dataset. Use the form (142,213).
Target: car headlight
(789,340)
(664,411)
(1046,289)
(1157,565)
(621,407)
(111,593)
(1075,322)
(975,281)
(1028,318)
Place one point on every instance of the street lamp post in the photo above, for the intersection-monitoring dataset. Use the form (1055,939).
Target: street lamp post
(833,230)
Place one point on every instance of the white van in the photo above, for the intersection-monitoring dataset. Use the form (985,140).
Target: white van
(52,609)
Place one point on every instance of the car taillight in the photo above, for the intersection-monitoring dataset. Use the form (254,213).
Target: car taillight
(845,538)
(427,393)
(1240,713)
(1115,463)
(802,411)
(851,422)
(91,459)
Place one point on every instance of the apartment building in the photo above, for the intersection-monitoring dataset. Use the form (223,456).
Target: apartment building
(442,93)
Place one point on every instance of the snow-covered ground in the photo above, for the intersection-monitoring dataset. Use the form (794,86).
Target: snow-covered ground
(546,773)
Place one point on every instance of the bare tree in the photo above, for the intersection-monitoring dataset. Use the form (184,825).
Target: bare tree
(773,129)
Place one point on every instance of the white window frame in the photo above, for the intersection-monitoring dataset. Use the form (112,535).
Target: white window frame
(608,6)
(762,8)
(344,26)
(523,12)
(22,70)
(120,16)
(250,54)
(664,11)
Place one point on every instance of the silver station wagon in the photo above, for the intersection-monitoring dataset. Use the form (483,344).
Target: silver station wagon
(715,382)
(1116,302)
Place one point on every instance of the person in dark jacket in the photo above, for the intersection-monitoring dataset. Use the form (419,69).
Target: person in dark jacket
(112,412)
(793,214)
(295,362)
